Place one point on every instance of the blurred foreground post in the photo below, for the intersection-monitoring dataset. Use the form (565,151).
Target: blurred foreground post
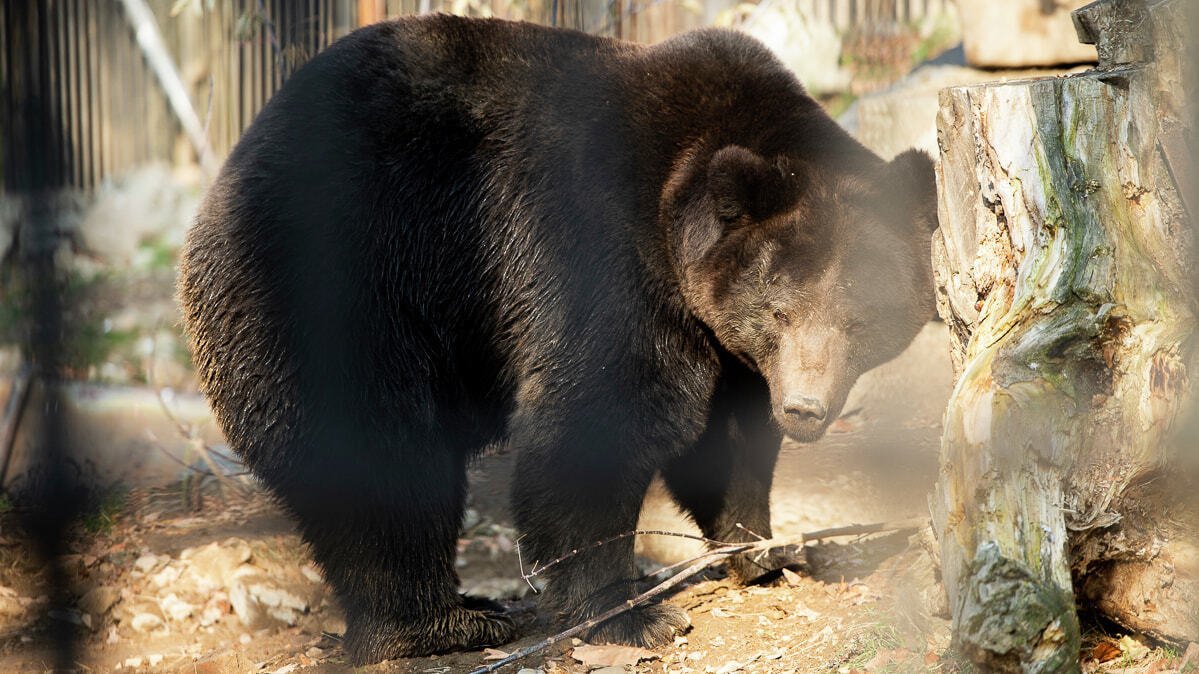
(1064,270)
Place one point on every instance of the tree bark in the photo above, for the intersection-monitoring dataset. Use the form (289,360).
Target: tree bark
(1064,272)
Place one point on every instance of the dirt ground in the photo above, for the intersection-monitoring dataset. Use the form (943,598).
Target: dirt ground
(173,562)
(152,556)
(210,576)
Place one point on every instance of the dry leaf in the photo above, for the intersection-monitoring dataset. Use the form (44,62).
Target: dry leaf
(493,654)
(1134,649)
(791,577)
(609,654)
(1105,651)
(931,658)
(1162,666)
(804,612)
(1191,657)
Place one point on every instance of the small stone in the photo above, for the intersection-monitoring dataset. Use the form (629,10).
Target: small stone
(314,652)
(309,571)
(245,638)
(245,607)
(166,577)
(10,603)
(272,595)
(334,625)
(154,660)
(146,563)
(99,600)
(175,608)
(134,662)
(145,622)
(526,670)
(470,519)
(213,565)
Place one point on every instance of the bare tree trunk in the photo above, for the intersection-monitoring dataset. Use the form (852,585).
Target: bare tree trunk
(1064,272)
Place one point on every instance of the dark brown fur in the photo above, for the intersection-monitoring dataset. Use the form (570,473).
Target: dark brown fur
(445,233)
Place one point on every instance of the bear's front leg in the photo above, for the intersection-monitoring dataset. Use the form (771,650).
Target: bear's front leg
(723,482)
(577,483)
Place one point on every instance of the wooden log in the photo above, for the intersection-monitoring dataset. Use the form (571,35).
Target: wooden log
(1064,267)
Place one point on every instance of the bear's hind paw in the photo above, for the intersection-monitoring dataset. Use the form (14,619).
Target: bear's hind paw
(649,626)
(457,629)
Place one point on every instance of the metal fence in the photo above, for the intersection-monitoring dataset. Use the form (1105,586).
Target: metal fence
(110,113)
(82,58)
(847,14)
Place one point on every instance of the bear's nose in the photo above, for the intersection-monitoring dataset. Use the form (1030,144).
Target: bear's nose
(803,408)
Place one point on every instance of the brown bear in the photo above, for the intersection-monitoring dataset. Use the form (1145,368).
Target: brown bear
(443,234)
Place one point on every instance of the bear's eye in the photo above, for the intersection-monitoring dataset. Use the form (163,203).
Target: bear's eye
(854,328)
(782,317)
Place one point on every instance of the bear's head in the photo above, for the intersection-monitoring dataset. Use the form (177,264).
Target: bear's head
(809,276)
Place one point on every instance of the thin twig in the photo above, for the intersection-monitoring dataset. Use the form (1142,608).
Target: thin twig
(535,571)
(693,566)
(863,529)
(158,444)
(185,430)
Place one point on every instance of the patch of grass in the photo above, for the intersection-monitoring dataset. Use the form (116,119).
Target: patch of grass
(836,105)
(867,640)
(943,36)
(87,339)
(103,519)
(155,253)
(90,344)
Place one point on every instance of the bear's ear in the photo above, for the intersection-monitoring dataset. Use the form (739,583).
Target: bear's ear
(912,180)
(746,188)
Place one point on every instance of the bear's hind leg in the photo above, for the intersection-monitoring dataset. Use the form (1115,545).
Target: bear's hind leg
(585,488)
(384,533)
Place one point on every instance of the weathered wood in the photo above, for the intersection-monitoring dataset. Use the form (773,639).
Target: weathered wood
(1063,265)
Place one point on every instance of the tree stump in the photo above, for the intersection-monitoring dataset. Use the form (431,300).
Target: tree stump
(1064,270)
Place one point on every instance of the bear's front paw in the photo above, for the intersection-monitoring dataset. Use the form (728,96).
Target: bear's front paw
(748,568)
(649,626)
(456,629)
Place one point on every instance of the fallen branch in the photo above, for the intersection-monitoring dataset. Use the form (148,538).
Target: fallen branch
(535,571)
(698,563)
(864,529)
(693,566)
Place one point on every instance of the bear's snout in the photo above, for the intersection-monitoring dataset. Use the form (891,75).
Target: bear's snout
(806,381)
(804,408)
(804,418)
